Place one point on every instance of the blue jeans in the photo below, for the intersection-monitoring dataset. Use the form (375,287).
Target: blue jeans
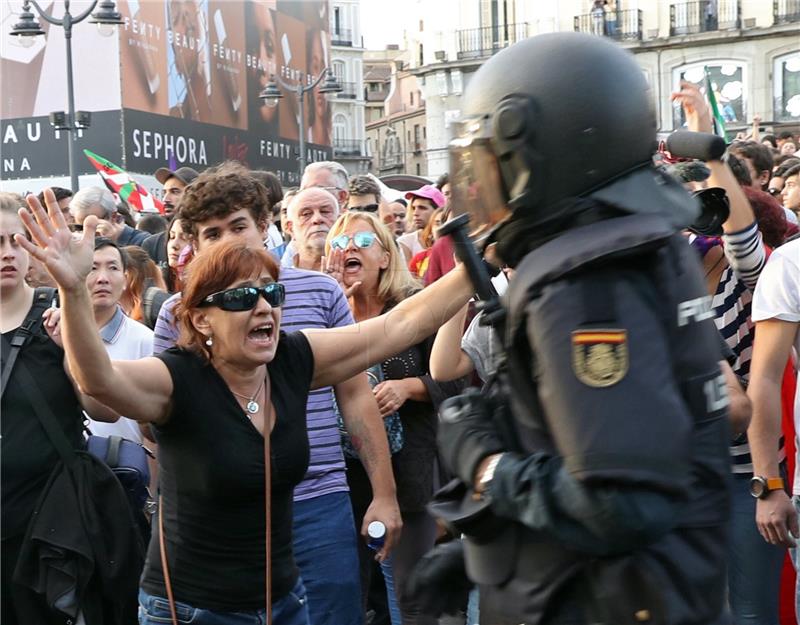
(289,610)
(754,566)
(325,551)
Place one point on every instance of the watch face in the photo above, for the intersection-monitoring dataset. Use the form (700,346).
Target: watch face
(758,487)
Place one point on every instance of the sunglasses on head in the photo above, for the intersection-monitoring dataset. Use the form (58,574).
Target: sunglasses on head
(366,208)
(361,240)
(245,297)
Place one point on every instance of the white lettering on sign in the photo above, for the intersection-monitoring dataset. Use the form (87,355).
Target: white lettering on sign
(159,146)
(10,165)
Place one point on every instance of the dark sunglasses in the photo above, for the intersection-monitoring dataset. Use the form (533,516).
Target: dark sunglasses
(774,192)
(361,239)
(245,297)
(366,208)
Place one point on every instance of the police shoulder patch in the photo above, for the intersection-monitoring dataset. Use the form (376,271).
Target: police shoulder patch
(600,356)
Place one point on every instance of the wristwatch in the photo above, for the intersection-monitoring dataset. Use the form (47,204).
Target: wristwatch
(760,487)
(488,474)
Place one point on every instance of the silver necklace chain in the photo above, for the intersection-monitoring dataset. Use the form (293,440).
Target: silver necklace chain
(252,405)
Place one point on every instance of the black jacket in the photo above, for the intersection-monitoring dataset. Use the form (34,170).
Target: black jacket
(93,565)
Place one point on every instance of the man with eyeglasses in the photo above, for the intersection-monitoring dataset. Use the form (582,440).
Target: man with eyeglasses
(365,194)
(329,175)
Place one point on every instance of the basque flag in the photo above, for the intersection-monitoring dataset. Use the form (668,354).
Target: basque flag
(120,182)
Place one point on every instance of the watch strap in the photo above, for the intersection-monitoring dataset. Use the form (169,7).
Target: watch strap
(775,483)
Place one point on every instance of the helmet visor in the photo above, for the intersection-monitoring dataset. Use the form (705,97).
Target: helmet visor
(475,181)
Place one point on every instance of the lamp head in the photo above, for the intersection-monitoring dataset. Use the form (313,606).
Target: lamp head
(28,26)
(106,14)
(271,93)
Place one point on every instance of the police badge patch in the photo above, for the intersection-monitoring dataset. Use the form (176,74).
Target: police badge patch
(600,357)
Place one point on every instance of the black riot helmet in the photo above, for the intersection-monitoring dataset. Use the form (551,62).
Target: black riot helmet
(553,119)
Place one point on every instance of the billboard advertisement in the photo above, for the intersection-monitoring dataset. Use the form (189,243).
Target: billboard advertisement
(183,77)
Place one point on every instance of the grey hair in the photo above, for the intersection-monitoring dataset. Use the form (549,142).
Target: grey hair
(295,199)
(94,196)
(340,174)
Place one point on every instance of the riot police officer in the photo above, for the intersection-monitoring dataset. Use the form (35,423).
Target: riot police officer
(597,492)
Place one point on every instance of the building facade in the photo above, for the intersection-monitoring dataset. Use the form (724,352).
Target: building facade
(396,120)
(751,50)
(348,139)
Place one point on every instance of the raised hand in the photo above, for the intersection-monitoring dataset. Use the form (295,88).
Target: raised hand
(68,260)
(333,265)
(698,115)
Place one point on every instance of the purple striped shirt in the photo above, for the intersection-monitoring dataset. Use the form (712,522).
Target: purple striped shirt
(313,300)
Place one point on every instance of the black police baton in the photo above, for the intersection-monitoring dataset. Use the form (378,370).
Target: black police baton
(493,312)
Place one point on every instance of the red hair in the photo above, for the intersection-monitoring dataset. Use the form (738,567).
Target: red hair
(770,216)
(213,270)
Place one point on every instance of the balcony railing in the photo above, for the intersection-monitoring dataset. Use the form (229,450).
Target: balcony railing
(785,11)
(690,18)
(348,91)
(345,147)
(478,43)
(617,25)
(341,37)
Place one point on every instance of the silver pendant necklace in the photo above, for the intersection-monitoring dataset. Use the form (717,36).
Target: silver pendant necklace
(252,405)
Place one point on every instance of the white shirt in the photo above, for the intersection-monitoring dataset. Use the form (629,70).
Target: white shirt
(777,296)
(411,241)
(124,339)
(274,238)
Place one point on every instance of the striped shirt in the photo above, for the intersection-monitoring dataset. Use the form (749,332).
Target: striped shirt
(313,300)
(732,303)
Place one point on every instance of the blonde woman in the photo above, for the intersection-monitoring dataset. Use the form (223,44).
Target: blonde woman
(363,257)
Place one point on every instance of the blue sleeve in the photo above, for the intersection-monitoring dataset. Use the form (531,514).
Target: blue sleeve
(340,313)
(165,332)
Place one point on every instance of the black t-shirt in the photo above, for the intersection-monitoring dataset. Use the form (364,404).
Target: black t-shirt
(28,457)
(211,470)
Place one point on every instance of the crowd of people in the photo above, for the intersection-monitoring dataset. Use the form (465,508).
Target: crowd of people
(312,314)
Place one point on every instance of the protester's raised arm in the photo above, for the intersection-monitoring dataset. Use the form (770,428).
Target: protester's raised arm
(139,389)
(340,353)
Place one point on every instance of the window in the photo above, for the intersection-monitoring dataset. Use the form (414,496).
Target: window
(424,132)
(339,130)
(339,70)
(418,169)
(411,98)
(337,20)
(416,136)
(786,87)
(728,83)
(421,55)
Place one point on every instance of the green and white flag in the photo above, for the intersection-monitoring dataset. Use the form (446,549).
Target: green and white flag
(719,121)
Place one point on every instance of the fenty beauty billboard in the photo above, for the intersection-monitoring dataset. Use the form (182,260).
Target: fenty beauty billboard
(179,84)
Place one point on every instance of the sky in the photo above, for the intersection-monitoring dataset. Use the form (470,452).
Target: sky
(382,22)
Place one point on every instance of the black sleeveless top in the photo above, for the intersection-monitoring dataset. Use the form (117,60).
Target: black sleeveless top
(211,468)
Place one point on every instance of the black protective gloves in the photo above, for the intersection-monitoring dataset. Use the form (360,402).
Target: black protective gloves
(439,582)
(466,434)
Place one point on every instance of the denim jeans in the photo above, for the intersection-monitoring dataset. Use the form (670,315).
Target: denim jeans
(289,610)
(325,550)
(754,566)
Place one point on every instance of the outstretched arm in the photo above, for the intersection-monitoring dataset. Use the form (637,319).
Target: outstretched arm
(140,389)
(340,353)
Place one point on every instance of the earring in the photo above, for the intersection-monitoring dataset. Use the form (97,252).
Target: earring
(209,341)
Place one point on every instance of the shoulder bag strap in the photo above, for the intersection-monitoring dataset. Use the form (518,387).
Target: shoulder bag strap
(24,332)
(46,417)
(164,567)
(268,493)
(267,499)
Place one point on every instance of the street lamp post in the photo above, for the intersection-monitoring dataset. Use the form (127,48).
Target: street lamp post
(28,27)
(272,94)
